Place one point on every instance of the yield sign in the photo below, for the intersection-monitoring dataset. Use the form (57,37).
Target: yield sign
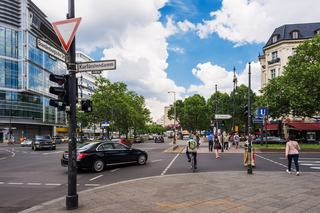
(66,31)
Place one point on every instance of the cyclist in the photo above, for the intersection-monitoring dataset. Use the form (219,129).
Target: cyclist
(192,147)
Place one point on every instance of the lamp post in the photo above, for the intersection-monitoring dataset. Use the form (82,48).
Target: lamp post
(249,123)
(234,100)
(175,116)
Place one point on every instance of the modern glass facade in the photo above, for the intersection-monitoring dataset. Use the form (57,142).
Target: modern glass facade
(24,76)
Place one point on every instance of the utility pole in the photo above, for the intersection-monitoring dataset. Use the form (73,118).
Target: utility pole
(175,116)
(234,100)
(216,107)
(72,197)
(249,123)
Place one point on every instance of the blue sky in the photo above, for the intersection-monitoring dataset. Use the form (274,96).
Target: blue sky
(185,46)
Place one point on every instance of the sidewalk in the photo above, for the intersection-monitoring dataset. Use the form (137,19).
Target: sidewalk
(201,192)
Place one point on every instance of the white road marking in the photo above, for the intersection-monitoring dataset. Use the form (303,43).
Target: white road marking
(304,158)
(309,164)
(15,183)
(113,170)
(3,158)
(280,164)
(34,184)
(153,161)
(315,168)
(166,169)
(99,176)
(52,184)
(1,182)
(50,153)
(24,152)
(308,161)
(88,184)
(45,153)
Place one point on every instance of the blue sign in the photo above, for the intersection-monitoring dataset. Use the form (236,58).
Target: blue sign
(262,112)
(105,124)
(257,120)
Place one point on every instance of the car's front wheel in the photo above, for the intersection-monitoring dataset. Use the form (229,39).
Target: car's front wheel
(98,166)
(142,159)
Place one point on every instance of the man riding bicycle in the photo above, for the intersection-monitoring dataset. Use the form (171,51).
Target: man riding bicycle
(192,147)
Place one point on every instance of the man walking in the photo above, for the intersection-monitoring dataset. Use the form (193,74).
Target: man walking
(210,140)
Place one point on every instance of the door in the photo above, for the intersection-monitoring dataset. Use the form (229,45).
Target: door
(109,154)
(124,154)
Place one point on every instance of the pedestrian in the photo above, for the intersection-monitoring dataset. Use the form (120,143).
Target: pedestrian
(236,140)
(210,140)
(217,146)
(230,140)
(292,152)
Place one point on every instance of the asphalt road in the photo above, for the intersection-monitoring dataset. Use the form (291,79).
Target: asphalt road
(28,178)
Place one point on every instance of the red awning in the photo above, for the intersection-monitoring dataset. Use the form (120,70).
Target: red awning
(271,126)
(305,126)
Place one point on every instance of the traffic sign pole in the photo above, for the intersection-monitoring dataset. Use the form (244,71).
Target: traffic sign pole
(72,196)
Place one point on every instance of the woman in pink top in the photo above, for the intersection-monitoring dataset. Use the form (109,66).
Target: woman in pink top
(292,152)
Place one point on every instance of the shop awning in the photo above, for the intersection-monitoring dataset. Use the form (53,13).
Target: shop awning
(271,126)
(305,126)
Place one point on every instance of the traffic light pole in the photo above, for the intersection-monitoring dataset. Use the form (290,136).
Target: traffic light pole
(72,197)
(249,124)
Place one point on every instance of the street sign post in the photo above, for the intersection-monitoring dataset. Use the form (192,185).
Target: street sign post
(222,116)
(52,51)
(95,66)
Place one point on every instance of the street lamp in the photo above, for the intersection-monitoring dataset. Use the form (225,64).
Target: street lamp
(234,93)
(175,116)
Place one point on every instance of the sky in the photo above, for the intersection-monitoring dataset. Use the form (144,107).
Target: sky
(186,46)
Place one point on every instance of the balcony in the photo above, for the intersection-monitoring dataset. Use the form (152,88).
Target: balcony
(276,60)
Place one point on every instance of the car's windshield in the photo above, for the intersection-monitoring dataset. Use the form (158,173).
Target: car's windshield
(42,137)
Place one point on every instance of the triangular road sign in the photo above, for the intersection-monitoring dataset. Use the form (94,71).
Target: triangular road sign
(66,31)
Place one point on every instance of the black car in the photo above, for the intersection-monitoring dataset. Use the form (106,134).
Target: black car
(97,155)
(269,140)
(158,139)
(43,142)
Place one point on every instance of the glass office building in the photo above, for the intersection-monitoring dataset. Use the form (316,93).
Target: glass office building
(24,72)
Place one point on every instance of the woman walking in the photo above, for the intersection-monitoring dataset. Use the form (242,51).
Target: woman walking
(292,152)
(216,146)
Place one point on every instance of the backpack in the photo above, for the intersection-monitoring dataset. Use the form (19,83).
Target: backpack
(192,145)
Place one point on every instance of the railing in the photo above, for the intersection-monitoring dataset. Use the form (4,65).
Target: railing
(276,60)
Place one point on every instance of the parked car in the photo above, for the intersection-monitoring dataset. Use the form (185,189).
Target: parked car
(269,140)
(43,142)
(26,142)
(58,139)
(138,139)
(97,155)
(159,139)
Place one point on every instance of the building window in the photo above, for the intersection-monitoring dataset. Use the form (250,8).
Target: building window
(274,55)
(273,73)
(295,34)
(274,39)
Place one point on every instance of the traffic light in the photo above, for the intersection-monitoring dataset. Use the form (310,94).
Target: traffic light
(245,112)
(86,105)
(62,92)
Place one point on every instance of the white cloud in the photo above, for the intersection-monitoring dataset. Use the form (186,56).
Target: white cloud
(186,26)
(210,74)
(243,21)
(177,50)
(130,32)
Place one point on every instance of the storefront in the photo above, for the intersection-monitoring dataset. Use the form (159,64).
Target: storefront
(304,132)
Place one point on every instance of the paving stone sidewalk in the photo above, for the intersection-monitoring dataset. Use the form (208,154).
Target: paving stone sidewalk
(201,192)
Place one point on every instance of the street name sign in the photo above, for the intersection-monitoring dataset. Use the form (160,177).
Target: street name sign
(222,116)
(94,66)
(66,31)
(257,120)
(52,51)
(96,72)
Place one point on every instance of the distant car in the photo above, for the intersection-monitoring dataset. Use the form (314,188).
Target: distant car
(159,139)
(97,155)
(43,142)
(269,140)
(27,142)
(138,139)
(150,137)
(58,139)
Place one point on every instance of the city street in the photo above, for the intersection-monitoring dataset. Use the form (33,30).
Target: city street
(28,178)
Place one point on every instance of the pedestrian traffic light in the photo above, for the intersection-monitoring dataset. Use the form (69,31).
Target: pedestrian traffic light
(86,105)
(62,92)
(245,112)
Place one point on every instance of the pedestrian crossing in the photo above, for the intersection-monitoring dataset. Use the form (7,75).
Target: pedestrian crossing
(312,163)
